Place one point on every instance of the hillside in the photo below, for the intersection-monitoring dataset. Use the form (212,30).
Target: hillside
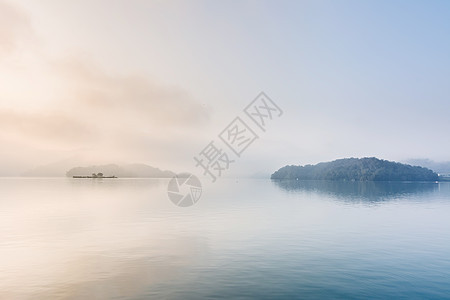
(357,169)
(131,170)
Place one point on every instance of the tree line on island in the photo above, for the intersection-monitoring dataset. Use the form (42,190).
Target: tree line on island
(357,169)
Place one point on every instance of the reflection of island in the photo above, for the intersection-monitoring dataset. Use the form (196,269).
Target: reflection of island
(367,191)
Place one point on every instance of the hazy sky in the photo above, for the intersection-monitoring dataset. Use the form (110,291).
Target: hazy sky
(156,81)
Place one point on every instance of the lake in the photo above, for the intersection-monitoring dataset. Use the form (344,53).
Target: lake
(64,238)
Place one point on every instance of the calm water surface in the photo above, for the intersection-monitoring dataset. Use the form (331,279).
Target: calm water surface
(123,239)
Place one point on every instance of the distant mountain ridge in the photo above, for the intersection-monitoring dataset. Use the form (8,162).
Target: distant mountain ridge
(129,171)
(357,169)
(438,167)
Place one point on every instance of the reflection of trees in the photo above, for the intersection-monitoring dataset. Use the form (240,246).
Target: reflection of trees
(366,190)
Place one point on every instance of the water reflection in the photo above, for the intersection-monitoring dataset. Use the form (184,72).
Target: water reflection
(64,238)
(370,191)
(123,239)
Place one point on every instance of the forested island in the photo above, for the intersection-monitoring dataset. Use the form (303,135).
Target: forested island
(357,169)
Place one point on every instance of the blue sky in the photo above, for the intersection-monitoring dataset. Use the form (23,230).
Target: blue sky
(355,78)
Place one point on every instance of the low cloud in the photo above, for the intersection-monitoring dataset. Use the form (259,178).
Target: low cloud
(109,115)
(129,96)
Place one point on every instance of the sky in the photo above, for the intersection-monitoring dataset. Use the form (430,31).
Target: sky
(108,81)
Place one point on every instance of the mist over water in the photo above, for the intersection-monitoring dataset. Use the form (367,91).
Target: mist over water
(133,88)
(124,239)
